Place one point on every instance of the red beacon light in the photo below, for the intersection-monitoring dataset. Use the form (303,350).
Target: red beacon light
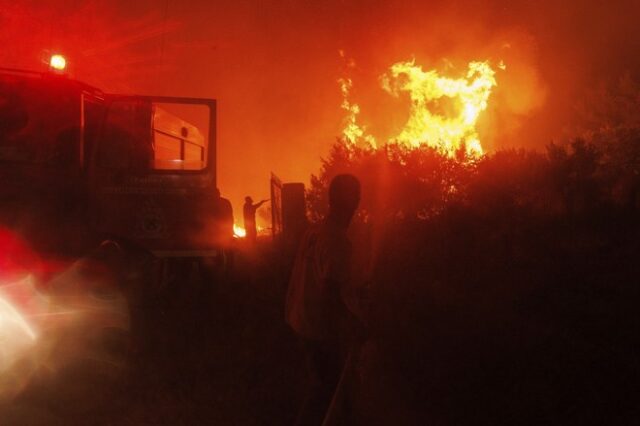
(57,63)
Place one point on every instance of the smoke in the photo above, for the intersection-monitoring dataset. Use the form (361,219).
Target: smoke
(273,67)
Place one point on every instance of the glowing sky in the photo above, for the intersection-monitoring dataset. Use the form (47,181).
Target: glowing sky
(274,65)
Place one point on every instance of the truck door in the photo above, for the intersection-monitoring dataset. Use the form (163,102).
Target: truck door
(40,168)
(152,174)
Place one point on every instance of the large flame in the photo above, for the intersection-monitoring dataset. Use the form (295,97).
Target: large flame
(449,129)
(352,131)
(443,111)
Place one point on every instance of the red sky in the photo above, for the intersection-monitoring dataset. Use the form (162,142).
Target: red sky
(273,65)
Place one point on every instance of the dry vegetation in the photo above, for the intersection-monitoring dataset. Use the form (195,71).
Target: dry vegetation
(504,288)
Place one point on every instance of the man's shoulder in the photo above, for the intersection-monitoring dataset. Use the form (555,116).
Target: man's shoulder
(335,240)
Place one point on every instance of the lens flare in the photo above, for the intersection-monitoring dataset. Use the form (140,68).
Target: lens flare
(16,334)
(76,323)
(11,318)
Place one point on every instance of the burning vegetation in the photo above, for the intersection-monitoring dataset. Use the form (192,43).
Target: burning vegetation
(501,282)
(443,110)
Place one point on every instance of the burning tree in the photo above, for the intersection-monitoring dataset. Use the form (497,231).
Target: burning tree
(485,269)
(443,110)
(399,182)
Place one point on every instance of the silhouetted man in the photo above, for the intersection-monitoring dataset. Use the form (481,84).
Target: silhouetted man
(315,306)
(223,213)
(249,213)
(223,216)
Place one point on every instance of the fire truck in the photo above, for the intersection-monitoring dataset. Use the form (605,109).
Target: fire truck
(81,169)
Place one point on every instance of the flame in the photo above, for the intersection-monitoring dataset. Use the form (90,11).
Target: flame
(352,131)
(238,231)
(443,112)
(449,129)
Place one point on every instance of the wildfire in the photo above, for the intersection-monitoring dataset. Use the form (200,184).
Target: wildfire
(443,111)
(452,127)
(352,131)
(238,231)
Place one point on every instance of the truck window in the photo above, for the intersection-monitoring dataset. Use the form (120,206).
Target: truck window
(179,142)
(148,136)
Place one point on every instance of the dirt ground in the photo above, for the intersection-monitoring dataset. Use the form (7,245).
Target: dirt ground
(217,352)
(224,358)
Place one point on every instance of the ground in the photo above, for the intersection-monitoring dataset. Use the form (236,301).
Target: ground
(223,355)
(235,363)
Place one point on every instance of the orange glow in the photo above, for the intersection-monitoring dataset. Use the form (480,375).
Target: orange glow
(240,232)
(58,62)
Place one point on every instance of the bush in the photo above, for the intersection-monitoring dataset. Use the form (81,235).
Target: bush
(502,286)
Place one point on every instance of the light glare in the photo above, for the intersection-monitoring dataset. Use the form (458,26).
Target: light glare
(58,62)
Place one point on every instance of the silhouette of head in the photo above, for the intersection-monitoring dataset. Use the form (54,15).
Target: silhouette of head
(344,197)
(248,199)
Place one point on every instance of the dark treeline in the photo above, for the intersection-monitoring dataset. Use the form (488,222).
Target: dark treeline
(505,288)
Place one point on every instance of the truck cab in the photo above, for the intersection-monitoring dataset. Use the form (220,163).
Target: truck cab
(79,166)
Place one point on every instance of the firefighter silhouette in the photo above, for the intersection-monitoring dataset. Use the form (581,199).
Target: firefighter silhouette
(249,213)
